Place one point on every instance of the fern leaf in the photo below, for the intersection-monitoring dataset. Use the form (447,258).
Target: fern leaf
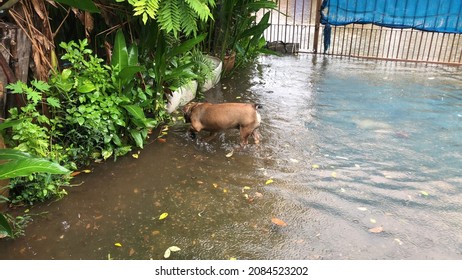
(169,17)
(189,20)
(200,8)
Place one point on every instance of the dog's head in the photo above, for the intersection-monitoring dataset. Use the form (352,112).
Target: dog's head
(187,110)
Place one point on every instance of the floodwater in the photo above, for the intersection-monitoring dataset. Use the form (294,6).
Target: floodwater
(359,159)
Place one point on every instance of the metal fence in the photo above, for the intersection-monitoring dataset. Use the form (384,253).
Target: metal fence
(298,22)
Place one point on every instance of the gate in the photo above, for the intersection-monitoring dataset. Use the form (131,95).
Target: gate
(401,30)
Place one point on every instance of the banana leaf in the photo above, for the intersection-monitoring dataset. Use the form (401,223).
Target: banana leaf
(14,163)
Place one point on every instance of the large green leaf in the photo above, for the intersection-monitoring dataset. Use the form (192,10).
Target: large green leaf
(120,53)
(16,163)
(129,72)
(186,46)
(8,124)
(5,228)
(135,111)
(136,135)
(133,55)
(86,5)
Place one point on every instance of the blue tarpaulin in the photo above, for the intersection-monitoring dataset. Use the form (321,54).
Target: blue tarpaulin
(427,15)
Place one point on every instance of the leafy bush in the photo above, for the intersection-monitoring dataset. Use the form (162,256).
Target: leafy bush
(83,113)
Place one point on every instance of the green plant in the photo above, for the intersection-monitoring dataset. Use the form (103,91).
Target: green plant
(236,28)
(96,121)
(14,164)
(31,133)
(173,16)
(172,66)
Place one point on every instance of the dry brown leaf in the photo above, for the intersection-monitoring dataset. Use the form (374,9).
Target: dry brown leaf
(376,230)
(39,8)
(131,252)
(278,222)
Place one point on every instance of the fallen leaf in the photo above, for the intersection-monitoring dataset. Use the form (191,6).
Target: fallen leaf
(225,190)
(398,241)
(230,154)
(167,253)
(376,230)
(170,250)
(373,221)
(293,160)
(269,182)
(175,249)
(215,185)
(75,173)
(424,193)
(161,140)
(245,188)
(334,174)
(163,216)
(86,171)
(135,155)
(131,252)
(315,166)
(117,244)
(278,222)
(362,208)
(232,259)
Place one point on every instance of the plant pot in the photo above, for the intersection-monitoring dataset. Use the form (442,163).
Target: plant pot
(181,96)
(228,61)
(215,76)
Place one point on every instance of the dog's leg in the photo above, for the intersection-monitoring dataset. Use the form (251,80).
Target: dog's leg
(244,136)
(210,137)
(256,136)
(192,133)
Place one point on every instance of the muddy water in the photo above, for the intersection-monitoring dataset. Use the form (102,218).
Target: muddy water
(361,160)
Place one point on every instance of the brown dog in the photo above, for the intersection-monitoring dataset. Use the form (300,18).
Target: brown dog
(217,117)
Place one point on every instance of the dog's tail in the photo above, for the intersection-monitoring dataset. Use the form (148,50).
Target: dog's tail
(258,106)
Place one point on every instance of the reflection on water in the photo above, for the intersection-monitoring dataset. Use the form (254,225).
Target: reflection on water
(364,160)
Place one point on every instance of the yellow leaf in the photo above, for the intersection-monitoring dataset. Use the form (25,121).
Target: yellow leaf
(424,193)
(174,248)
(135,155)
(269,182)
(225,190)
(334,174)
(232,259)
(86,171)
(167,253)
(163,216)
(315,166)
(117,244)
(215,185)
(245,188)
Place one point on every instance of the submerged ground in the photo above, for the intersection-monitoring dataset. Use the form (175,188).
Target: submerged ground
(359,160)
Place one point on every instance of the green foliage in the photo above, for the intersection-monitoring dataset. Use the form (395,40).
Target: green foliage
(95,111)
(238,29)
(14,163)
(5,227)
(174,16)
